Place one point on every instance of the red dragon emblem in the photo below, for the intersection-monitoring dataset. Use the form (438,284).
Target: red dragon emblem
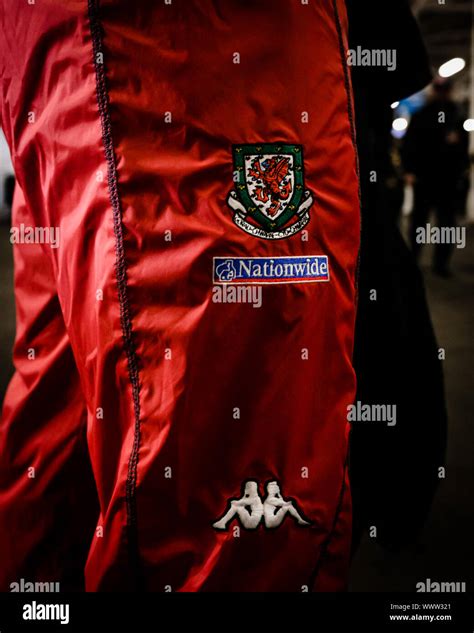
(272,173)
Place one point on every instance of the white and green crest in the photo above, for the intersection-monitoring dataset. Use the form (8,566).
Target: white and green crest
(269,200)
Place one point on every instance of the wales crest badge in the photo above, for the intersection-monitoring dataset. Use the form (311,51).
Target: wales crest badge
(269,199)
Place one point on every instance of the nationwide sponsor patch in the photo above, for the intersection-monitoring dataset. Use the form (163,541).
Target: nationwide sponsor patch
(269,200)
(270,270)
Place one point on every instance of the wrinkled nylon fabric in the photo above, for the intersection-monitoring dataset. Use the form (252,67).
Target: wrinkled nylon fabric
(48,503)
(168,372)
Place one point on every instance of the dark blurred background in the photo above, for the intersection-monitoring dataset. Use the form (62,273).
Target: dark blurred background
(420,155)
(446,550)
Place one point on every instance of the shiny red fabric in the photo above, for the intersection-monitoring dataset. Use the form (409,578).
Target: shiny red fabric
(140,201)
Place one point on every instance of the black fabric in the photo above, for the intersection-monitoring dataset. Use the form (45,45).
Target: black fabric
(394,470)
(388,24)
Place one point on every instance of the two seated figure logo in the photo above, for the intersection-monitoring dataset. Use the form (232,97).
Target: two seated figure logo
(269,200)
(251,510)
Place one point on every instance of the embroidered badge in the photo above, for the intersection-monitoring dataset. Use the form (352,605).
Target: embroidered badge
(250,510)
(270,270)
(269,200)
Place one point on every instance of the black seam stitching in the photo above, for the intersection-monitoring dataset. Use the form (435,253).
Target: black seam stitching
(103,103)
(350,112)
(351,115)
(328,539)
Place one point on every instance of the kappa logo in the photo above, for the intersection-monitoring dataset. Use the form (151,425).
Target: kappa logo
(270,200)
(250,509)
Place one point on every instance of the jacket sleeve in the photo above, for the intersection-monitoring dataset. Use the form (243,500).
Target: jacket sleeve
(48,503)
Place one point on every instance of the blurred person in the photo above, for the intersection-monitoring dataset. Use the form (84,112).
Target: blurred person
(393,469)
(435,155)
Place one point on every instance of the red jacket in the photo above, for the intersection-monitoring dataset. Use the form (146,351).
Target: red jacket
(197,161)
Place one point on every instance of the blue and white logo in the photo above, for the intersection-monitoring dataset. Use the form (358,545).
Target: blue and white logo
(270,270)
(225,271)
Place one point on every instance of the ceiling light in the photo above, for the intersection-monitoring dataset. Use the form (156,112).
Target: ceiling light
(452,67)
(400,124)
